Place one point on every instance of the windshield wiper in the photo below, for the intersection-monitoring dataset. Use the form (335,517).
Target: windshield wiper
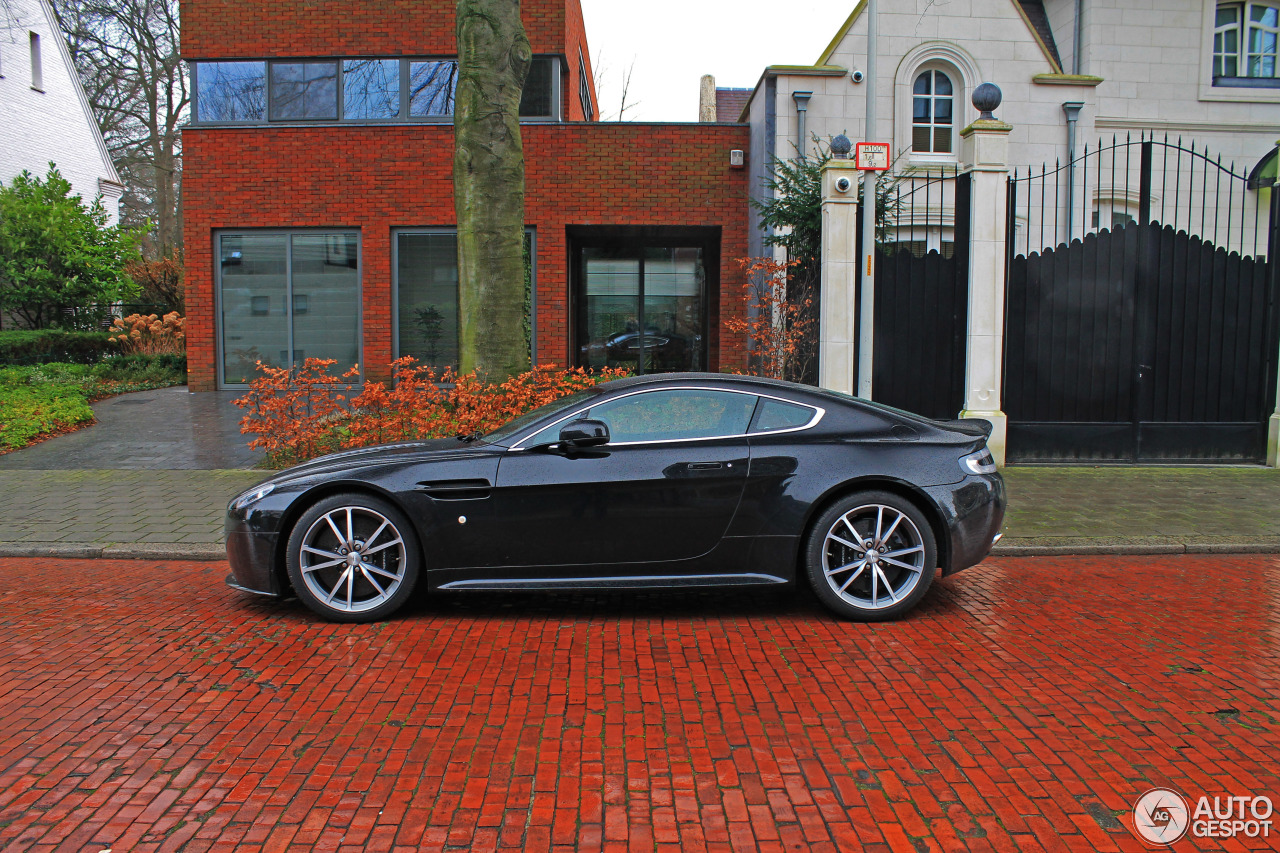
(468,437)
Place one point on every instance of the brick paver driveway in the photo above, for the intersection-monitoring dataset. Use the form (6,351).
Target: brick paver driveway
(1025,706)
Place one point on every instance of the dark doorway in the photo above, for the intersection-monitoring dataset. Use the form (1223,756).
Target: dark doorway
(641,296)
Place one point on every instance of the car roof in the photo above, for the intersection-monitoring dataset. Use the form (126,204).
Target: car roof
(758,382)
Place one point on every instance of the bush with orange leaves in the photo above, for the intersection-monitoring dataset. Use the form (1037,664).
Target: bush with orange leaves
(778,327)
(148,333)
(300,413)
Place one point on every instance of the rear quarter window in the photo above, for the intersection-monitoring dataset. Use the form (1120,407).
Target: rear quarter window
(776,414)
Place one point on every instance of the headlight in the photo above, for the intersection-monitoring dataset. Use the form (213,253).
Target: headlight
(979,462)
(252,496)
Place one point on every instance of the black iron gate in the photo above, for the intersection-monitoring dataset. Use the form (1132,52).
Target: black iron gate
(921,294)
(1149,333)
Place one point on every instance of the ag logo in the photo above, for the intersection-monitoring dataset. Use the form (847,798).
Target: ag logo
(1161,816)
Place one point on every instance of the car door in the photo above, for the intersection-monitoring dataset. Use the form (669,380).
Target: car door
(665,488)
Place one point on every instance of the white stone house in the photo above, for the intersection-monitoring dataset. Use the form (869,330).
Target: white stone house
(1203,70)
(44,114)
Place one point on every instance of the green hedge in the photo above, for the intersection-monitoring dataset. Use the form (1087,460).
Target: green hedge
(47,345)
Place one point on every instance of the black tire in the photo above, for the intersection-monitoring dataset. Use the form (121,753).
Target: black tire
(336,576)
(838,570)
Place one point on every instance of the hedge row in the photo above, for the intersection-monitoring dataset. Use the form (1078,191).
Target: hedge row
(48,345)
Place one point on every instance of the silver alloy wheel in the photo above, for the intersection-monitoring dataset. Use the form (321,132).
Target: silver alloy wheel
(873,556)
(352,559)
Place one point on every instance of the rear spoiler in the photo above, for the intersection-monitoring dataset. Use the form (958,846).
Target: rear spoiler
(970,426)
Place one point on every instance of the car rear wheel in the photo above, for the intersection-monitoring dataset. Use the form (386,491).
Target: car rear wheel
(353,558)
(871,556)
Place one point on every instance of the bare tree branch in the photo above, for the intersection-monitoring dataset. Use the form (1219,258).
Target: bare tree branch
(126,53)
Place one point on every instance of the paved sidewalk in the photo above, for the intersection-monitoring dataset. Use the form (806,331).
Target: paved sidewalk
(171,513)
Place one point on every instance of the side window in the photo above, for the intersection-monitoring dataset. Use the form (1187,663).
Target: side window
(676,415)
(775,414)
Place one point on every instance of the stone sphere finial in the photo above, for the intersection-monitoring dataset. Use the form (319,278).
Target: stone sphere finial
(840,147)
(985,99)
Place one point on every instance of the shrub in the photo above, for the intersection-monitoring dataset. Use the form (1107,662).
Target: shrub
(58,253)
(779,327)
(46,345)
(147,333)
(303,412)
(160,281)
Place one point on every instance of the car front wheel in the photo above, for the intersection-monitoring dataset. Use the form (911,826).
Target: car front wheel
(871,556)
(353,558)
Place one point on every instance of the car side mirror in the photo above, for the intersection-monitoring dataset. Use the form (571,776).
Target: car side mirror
(584,433)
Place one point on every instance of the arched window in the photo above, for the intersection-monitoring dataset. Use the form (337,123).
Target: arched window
(932,113)
(1245,37)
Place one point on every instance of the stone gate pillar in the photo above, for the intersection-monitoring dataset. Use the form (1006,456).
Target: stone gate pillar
(838,305)
(985,151)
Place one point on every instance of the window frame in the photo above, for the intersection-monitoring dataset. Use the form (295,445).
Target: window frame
(584,90)
(1238,89)
(37,61)
(819,413)
(1243,28)
(554,61)
(934,69)
(220,330)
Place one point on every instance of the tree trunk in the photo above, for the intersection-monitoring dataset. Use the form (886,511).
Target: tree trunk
(488,187)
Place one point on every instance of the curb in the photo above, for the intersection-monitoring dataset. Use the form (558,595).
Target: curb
(1144,546)
(142,551)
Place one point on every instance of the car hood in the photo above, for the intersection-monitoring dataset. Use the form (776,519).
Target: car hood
(426,450)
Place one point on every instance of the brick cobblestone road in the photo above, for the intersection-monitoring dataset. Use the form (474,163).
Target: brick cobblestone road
(1024,706)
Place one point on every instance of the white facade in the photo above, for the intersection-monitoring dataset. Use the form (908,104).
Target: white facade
(44,114)
(1146,67)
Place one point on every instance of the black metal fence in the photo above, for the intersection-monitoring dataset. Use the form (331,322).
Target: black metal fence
(921,292)
(1126,180)
(1141,322)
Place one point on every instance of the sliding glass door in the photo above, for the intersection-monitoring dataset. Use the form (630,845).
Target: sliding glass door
(286,297)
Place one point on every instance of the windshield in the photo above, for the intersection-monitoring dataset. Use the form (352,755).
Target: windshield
(503,434)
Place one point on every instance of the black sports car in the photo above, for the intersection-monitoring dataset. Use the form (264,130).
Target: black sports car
(673,480)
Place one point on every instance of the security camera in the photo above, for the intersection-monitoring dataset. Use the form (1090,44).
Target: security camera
(858,76)
(842,185)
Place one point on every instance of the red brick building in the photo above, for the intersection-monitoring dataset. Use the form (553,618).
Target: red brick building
(318,199)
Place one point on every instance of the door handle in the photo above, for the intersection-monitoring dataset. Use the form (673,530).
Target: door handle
(705,466)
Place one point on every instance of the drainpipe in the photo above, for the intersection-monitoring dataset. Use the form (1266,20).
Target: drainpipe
(802,107)
(1078,43)
(1072,111)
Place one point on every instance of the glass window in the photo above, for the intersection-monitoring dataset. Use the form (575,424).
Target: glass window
(675,415)
(325,283)
(432,84)
(776,414)
(537,101)
(427,297)
(426,286)
(304,90)
(584,90)
(231,91)
(1245,40)
(287,297)
(255,285)
(642,308)
(931,113)
(370,88)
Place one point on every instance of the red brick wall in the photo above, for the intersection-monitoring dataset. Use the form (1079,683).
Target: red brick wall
(225,29)
(379,178)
